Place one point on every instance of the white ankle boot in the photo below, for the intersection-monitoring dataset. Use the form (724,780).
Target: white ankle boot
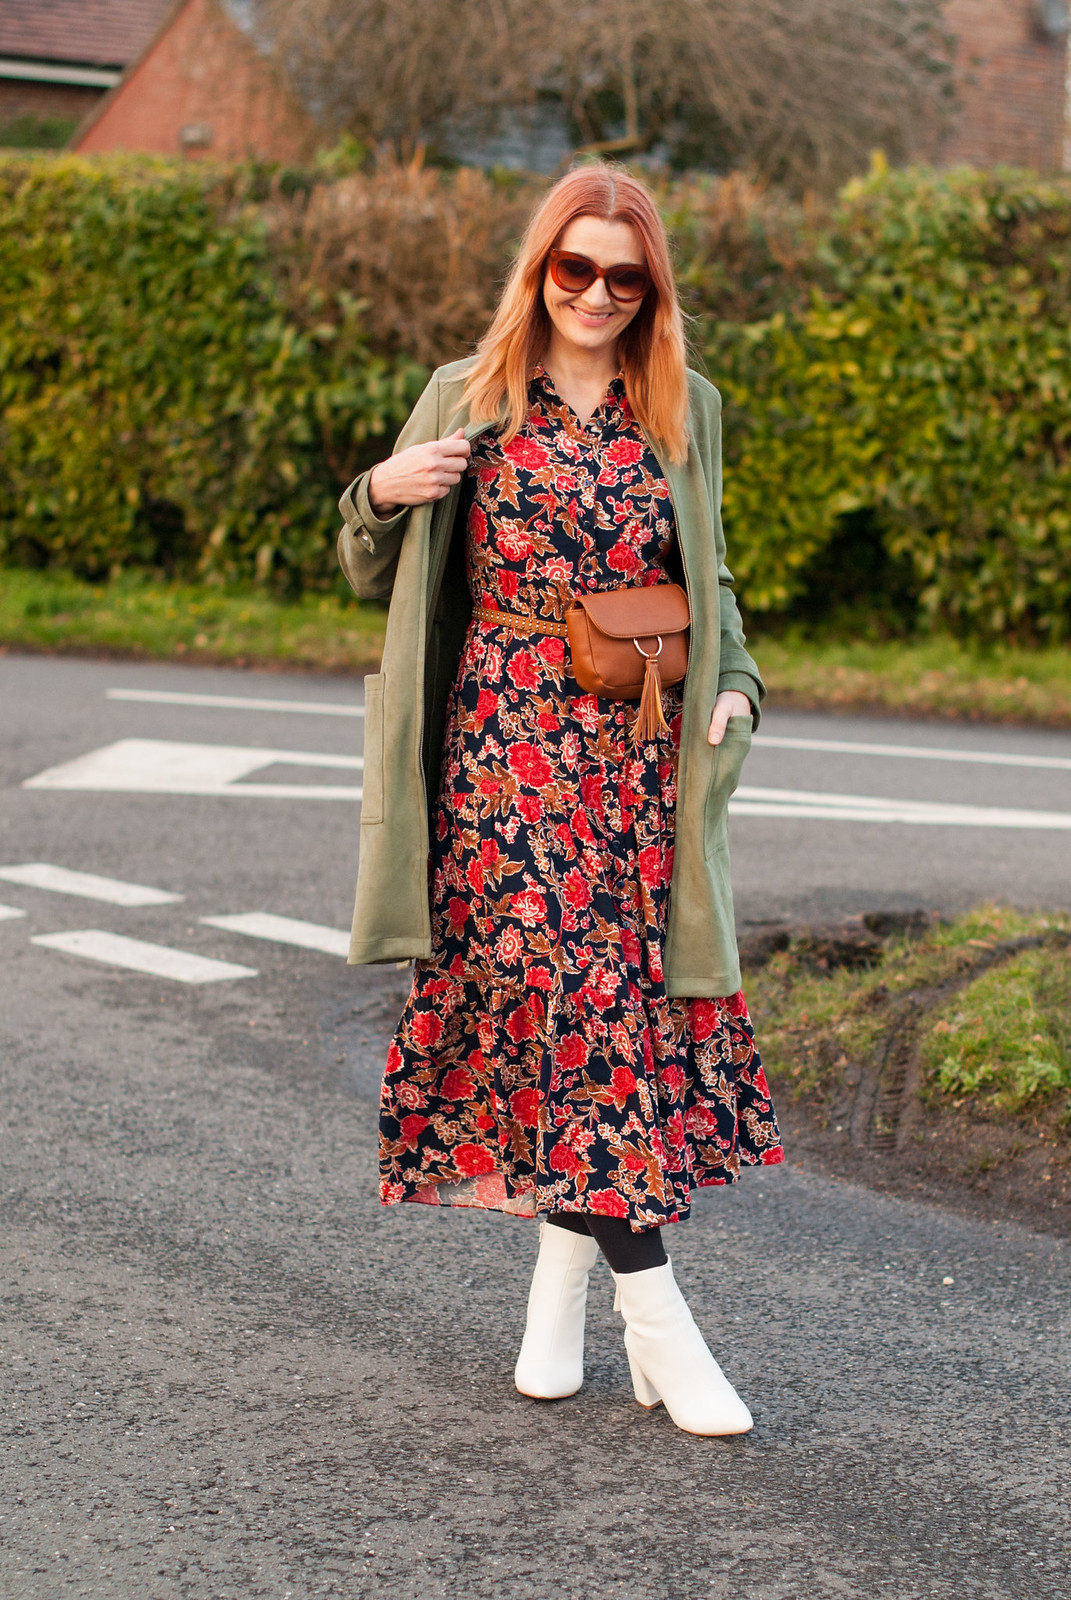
(551,1363)
(668,1357)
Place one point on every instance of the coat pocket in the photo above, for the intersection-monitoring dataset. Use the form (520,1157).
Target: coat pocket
(372,803)
(724,777)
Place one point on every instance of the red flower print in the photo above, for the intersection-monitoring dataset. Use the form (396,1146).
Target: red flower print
(529,765)
(514,543)
(703,1016)
(456,1084)
(770,1158)
(630,947)
(538,978)
(524,1107)
(426,1029)
(571,1053)
(622,1085)
(623,558)
(608,1203)
(651,867)
(624,452)
(548,722)
(407,1094)
(563,1158)
(395,1059)
(735,1004)
(457,966)
(509,583)
(673,1078)
(527,454)
(524,670)
(478,525)
(633,1163)
(508,947)
(519,1025)
(530,807)
(552,650)
(473,1159)
(474,875)
(581,826)
(591,792)
(458,912)
(577,890)
(476,1062)
(701,1122)
(486,705)
(529,906)
(411,1128)
(490,854)
(486,1123)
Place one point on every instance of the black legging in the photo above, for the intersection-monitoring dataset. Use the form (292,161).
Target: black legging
(625,1250)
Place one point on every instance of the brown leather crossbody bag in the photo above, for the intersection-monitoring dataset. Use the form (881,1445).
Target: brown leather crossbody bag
(629,644)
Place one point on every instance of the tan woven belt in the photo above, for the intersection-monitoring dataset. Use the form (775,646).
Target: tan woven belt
(520,621)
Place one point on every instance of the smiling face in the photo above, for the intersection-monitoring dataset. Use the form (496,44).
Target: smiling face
(592,320)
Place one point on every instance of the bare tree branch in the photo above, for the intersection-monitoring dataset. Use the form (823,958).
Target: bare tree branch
(799,90)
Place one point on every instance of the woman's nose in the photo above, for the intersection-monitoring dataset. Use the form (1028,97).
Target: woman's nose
(596,298)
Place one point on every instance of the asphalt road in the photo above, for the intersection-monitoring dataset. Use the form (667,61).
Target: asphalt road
(229,1373)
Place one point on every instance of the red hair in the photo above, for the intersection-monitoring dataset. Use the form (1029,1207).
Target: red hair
(652,346)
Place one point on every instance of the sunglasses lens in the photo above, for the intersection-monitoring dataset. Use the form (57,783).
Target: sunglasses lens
(627,283)
(573,274)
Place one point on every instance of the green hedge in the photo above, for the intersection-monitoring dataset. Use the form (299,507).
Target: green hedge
(188,374)
(908,428)
(160,403)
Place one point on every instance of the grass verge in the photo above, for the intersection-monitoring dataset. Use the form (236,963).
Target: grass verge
(935,677)
(941,1048)
(135,616)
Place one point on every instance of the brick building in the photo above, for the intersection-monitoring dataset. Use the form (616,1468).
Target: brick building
(58,57)
(200,87)
(1014,88)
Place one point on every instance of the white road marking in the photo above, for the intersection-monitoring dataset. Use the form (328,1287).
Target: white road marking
(161,766)
(7,913)
(158,960)
(917,752)
(753,802)
(234,702)
(42,875)
(285,930)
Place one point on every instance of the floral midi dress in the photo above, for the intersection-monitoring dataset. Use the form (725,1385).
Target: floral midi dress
(539,1065)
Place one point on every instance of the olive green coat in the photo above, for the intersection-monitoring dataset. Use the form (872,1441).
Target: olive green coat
(414,560)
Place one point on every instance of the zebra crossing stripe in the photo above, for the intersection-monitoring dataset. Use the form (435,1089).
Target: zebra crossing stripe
(136,955)
(285,930)
(7,913)
(43,875)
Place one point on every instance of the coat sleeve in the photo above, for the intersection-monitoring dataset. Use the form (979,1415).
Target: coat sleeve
(368,545)
(738,669)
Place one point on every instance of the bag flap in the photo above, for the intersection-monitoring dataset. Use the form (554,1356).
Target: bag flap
(636,612)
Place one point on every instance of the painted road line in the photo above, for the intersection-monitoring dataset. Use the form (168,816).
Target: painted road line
(915,752)
(8,913)
(800,803)
(285,930)
(161,766)
(158,960)
(234,702)
(42,875)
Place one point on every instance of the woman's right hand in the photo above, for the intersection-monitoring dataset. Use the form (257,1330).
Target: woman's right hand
(423,472)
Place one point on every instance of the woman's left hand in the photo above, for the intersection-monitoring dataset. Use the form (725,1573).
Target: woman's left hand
(730,703)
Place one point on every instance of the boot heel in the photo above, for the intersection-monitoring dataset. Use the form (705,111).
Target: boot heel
(645,1391)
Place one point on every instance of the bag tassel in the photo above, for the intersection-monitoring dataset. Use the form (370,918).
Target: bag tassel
(651,719)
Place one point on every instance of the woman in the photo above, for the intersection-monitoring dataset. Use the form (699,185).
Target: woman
(575,1044)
